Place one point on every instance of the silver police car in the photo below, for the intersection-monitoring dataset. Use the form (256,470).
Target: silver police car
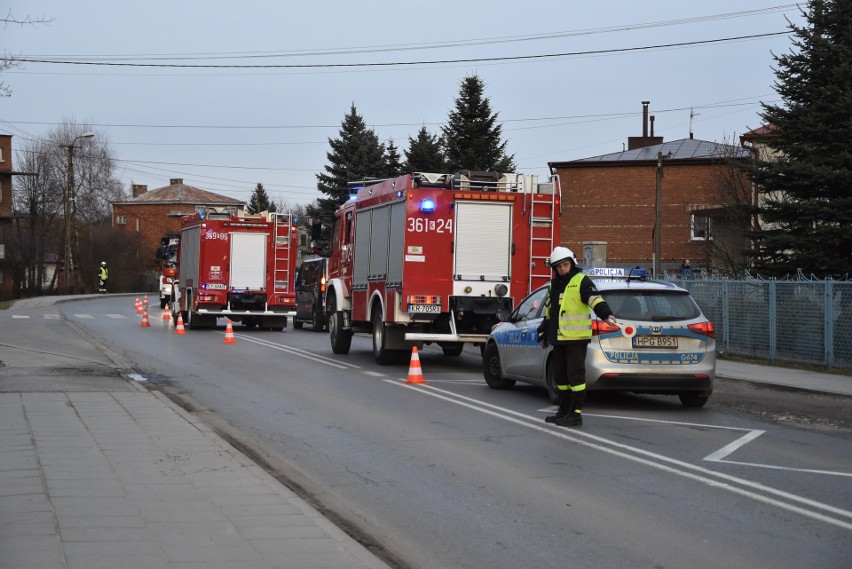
(663,344)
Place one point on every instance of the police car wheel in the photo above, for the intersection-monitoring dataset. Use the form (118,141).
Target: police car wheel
(549,382)
(492,371)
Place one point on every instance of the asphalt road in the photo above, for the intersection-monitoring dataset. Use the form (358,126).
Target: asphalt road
(452,474)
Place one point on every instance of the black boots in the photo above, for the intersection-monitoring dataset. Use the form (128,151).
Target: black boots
(569,412)
(565,404)
(573,419)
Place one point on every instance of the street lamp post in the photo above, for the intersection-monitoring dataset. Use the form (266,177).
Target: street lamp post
(69,192)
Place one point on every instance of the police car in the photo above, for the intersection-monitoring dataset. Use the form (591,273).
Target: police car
(663,343)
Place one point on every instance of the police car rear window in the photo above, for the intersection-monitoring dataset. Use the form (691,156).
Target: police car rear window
(652,305)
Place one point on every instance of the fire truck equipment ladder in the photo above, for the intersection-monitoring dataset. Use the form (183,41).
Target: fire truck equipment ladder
(283,249)
(542,220)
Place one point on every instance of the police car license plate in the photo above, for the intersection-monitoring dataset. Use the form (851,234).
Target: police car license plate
(655,341)
(424,308)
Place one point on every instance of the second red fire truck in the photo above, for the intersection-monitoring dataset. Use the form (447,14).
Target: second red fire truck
(432,258)
(236,266)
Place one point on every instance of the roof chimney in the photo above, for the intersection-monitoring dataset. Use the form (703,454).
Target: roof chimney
(634,142)
(176,182)
(139,189)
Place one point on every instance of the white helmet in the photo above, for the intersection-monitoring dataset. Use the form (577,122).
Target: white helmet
(103,263)
(561,254)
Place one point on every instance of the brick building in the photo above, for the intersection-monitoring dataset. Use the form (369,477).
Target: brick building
(153,214)
(609,203)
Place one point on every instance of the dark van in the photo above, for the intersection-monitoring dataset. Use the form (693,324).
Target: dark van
(311,279)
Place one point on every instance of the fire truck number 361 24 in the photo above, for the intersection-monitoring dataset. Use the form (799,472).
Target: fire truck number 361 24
(423,225)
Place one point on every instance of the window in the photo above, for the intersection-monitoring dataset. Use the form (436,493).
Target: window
(138,221)
(531,306)
(121,220)
(701,226)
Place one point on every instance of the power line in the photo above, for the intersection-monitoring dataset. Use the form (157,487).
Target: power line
(440,45)
(409,63)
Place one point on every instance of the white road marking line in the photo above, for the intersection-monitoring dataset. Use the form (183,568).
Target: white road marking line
(733,446)
(83,316)
(375,373)
(298,352)
(653,460)
(117,316)
(19,316)
(52,316)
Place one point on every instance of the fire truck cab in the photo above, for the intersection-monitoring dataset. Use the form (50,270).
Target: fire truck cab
(239,266)
(432,258)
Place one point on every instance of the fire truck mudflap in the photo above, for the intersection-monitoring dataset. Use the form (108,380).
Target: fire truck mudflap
(426,258)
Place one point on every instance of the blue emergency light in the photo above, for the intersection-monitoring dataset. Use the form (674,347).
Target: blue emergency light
(427,205)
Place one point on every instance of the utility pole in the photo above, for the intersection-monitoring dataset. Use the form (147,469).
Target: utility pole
(69,193)
(658,215)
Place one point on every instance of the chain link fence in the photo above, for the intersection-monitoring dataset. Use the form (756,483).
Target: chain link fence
(802,321)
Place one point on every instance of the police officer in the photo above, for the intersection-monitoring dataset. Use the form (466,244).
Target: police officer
(567,326)
(103,276)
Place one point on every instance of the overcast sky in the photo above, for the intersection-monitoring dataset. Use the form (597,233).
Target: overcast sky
(225,129)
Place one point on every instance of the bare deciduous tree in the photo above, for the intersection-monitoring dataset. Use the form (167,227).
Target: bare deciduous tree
(40,199)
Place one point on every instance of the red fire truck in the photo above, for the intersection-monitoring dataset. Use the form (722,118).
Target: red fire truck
(432,258)
(238,266)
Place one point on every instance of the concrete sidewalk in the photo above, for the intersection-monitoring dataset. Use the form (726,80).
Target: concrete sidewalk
(128,479)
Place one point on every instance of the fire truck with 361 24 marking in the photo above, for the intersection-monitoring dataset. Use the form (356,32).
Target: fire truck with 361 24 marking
(432,258)
(238,266)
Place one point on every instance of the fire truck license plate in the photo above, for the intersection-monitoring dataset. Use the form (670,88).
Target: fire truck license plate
(425,308)
(655,341)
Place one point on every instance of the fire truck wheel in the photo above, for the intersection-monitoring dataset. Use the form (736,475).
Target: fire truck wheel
(383,355)
(492,371)
(341,340)
(453,350)
(163,303)
(297,324)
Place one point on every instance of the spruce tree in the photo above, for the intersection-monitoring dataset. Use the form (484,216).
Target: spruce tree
(260,201)
(424,153)
(356,155)
(472,137)
(393,165)
(806,210)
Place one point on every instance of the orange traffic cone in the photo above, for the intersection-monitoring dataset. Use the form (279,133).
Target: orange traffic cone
(145,301)
(180,329)
(167,314)
(415,374)
(138,306)
(229,334)
(145,322)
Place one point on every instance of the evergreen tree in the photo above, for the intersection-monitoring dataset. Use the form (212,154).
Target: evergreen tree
(356,155)
(424,153)
(472,137)
(260,201)
(807,186)
(393,165)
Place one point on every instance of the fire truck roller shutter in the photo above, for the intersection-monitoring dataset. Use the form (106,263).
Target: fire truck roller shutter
(189,255)
(483,243)
(361,260)
(379,237)
(396,252)
(248,261)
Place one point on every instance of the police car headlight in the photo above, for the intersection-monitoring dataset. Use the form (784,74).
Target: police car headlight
(500,290)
